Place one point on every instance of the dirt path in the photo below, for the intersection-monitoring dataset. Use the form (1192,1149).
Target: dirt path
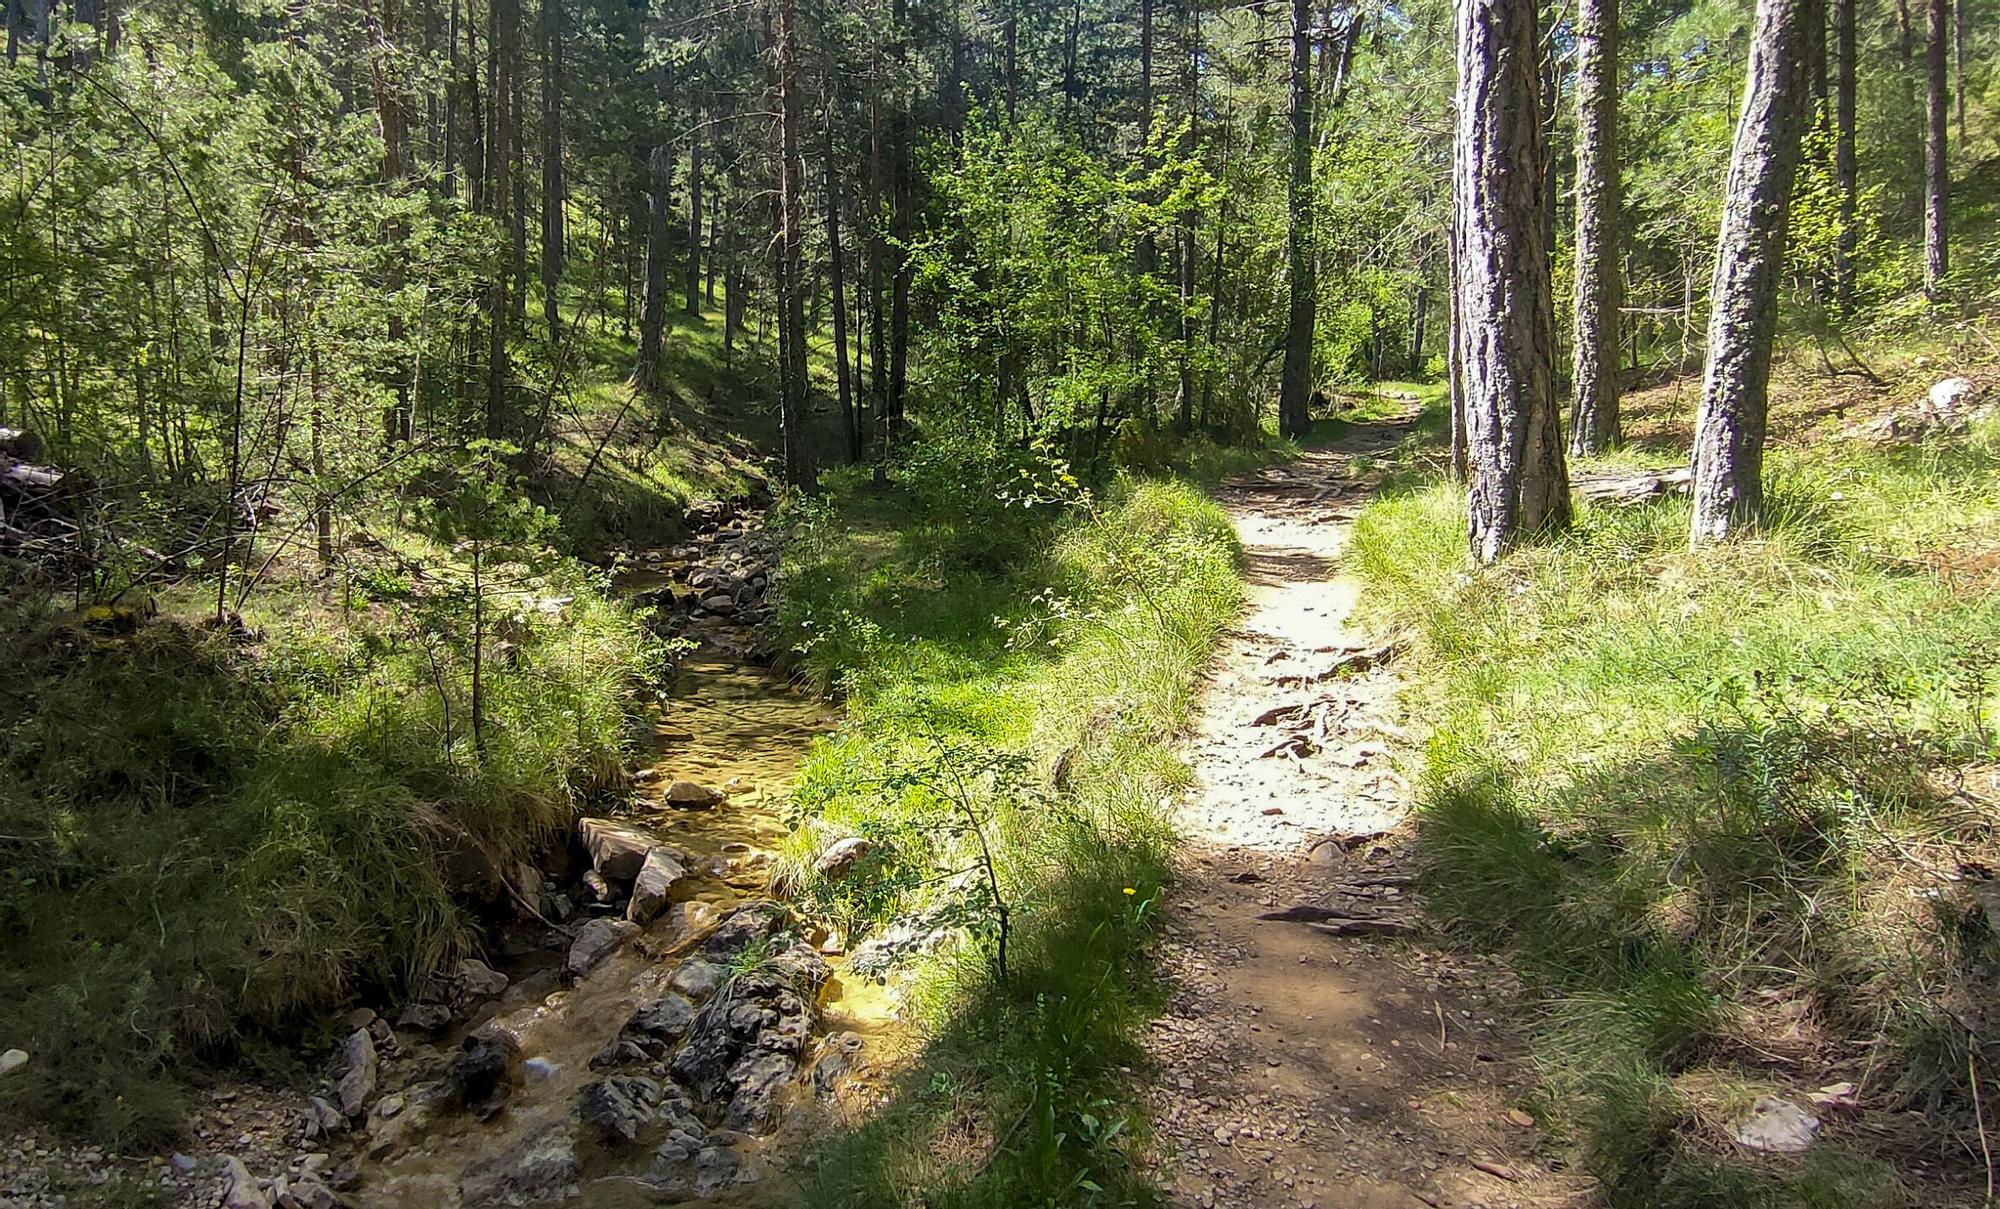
(1298,1064)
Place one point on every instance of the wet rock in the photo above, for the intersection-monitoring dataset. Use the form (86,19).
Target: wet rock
(476,980)
(720,602)
(691,795)
(486,1071)
(13,1060)
(1775,1125)
(692,917)
(400,1117)
(359,1072)
(841,856)
(424,1017)
(543,1167)
(240,1189)
(617,850)
(743,927)
(698,979)
(746,1043)
(838,1054)
(617,1110)
(651,1033)
(595,941)
(691,1164)
(650,889)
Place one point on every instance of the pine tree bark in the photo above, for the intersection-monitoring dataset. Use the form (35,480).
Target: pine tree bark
(392,119)
(1843,152)
(1593,416)
(791,261)
(692,304)
(1295,387)
(555,190)
(838,273)
(653,304)
(1937,171)
(505,18)
(1518,485)
(1749,264)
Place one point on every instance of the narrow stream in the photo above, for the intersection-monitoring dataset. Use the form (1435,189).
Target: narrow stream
(724,723)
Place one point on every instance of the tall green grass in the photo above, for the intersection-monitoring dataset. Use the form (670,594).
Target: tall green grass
(1708,803)
(1031,666)
(209,843)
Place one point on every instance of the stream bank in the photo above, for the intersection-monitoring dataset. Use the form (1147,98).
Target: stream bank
(649,1023)
(669,1032)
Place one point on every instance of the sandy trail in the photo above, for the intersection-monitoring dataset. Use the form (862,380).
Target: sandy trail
(1297,1066)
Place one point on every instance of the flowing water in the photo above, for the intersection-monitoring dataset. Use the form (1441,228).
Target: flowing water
(724,722)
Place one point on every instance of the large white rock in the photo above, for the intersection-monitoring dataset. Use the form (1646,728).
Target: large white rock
(1776,1125)
(13,1060)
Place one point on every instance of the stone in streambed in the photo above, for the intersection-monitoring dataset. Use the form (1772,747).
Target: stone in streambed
(616,1111)
(617,850)
(691,795)
(650,889)
(543,1167)
(651,1033)
(596,941)
(486,1071)
(745,1044)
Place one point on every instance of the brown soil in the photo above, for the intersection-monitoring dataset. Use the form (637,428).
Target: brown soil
(1297,1066)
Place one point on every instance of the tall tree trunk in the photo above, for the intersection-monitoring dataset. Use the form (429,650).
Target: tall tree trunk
(505,20)
(791,262)
(839,282)
(1295,387)
(1749,264)
(653,304)
(555,191)
(1513,443)
(1454,367)
(1843,151)
(392,118)
(1593,416)
(1937,171)
(693,302)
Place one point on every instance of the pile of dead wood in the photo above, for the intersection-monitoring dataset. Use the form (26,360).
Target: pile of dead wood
(39,504)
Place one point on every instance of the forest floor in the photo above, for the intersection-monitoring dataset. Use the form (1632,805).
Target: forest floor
(1298,1066)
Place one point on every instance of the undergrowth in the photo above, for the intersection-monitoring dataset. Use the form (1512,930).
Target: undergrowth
(212,837)
(1727,811)
(1016,657)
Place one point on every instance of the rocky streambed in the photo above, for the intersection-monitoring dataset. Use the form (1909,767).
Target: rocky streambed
(655,1027)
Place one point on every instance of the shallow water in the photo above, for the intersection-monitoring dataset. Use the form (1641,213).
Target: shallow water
(725,722)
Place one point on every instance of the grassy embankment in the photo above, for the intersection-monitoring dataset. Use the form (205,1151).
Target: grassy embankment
(1014,676)
(210,841)
(1726,810)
